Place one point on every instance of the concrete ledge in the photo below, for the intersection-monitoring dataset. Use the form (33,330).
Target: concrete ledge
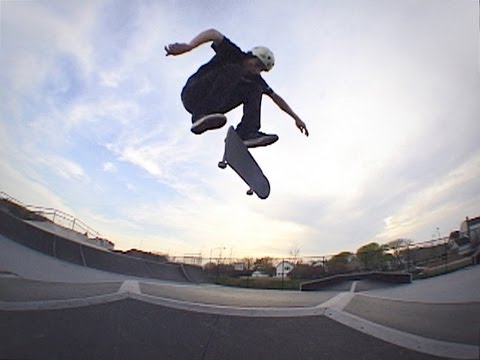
(387,277)
(451,266)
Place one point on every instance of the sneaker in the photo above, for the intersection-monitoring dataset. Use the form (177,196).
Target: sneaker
(259,139)
(208,122)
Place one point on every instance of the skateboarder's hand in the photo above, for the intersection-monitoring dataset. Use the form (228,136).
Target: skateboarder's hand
(301,125)
(177,48)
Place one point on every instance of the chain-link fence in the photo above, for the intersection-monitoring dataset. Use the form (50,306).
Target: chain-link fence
(420,259)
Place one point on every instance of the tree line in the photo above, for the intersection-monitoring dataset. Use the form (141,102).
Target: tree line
(396,255)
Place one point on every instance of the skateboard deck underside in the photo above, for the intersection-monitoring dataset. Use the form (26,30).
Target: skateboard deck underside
(242,162)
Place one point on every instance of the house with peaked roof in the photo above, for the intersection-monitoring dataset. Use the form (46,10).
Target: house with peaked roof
(283,268)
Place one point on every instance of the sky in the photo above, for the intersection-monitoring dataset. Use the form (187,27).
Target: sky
(92,122)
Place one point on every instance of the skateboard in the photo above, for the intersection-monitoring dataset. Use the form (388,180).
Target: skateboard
(238,157)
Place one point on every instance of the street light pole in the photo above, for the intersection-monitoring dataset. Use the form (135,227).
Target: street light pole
(216,248)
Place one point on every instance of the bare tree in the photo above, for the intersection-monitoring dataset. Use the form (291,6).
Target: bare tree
(295,252)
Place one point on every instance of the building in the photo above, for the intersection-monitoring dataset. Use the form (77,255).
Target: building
(461,244)
(284,268)
(240,266)
(259,274)
(470,228)
(466,240)
(98,241)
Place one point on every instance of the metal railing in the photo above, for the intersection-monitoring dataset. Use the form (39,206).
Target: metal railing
(56,216)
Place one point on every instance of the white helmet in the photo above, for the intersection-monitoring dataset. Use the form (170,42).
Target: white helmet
(265,55)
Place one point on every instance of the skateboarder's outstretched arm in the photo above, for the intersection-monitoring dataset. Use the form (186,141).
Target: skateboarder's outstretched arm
(205,36)
(282,104)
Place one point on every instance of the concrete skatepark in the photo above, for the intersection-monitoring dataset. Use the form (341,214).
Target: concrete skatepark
(66,306)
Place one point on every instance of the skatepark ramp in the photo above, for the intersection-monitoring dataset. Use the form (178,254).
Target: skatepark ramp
(345,280)
(55,304)
(38,233)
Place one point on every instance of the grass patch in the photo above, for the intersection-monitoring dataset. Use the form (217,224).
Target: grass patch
(259,283)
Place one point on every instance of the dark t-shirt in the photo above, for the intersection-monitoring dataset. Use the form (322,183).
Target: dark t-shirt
(229,53)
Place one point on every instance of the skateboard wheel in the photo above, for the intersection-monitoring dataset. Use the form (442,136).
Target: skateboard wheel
(222,164)
(250,192)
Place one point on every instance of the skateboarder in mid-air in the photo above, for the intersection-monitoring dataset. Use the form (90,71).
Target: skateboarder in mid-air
(231,78)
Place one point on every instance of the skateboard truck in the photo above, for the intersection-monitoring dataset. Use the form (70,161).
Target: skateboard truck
(223,165)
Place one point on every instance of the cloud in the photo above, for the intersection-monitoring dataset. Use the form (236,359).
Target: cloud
(111,79)
(47,35)
(452,196)
(36,192)
(200,222)
(63,167)
(388,93)
(109,167)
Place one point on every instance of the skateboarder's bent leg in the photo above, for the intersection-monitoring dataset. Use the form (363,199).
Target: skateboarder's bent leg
(249,126)
(208,97)
(211,92)
(251,96)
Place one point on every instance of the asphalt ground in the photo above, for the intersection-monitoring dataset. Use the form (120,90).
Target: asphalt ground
(131,329)
(55,310)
